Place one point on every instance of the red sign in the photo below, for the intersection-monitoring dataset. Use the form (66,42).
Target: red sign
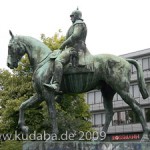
(125,137)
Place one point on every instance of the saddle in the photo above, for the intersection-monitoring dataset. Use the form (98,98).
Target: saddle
(82,62)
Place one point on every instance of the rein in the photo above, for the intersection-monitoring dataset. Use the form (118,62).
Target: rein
(40,64)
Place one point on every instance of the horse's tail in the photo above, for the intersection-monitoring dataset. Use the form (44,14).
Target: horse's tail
(140,77)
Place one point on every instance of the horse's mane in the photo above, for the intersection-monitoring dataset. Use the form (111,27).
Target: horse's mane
(32,42)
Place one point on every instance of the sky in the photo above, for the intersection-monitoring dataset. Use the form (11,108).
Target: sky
(114,26)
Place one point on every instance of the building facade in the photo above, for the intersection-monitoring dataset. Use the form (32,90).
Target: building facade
(125,124)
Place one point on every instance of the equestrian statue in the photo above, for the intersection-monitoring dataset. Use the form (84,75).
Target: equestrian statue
(72,69)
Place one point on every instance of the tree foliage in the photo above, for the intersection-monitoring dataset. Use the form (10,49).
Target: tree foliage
(53,42)
(11,145)
(73,114)
(16,87)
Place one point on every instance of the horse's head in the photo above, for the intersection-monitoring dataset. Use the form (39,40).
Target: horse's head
(16,49)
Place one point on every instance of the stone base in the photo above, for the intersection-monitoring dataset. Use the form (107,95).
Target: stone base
(79,145)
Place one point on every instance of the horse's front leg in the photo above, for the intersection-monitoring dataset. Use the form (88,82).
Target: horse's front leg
(50,101)
(29,103)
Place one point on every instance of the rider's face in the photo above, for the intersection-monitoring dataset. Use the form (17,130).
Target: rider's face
(73,18)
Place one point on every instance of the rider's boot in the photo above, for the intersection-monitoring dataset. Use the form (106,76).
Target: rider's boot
(56,79)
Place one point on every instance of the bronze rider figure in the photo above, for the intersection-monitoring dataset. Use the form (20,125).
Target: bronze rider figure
(75,41)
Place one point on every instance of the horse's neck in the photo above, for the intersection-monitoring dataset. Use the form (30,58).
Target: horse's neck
(36,50)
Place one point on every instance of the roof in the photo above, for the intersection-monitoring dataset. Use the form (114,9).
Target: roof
(137,53)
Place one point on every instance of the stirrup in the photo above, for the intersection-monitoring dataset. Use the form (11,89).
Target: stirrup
(53,87)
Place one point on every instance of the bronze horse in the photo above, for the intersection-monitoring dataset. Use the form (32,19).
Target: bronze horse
(111,74)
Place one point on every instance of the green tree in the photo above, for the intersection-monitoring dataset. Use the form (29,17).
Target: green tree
(16,88)
(11,145)
(73,114)
(53,42)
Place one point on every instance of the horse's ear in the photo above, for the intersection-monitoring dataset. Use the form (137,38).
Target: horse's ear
(12,36)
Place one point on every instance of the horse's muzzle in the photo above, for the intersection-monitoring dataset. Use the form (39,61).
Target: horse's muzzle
(15,65)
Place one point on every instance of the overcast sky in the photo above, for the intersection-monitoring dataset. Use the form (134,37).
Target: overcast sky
(114,26)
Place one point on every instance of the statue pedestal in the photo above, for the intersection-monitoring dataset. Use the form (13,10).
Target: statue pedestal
(80,145)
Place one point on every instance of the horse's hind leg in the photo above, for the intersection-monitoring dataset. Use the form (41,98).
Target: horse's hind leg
(108,94)
(29,103)
(137,110)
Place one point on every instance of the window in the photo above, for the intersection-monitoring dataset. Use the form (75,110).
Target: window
(131,117)
(92,119)
(94,97)
(98,97)
(119,118)
(146,63)
(136,92)
(131,90)
(115,97)
(90,98)
(147,114)
(119,97)
(125,117)
(99,119)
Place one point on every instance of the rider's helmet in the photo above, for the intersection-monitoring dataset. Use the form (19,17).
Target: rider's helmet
(77,14)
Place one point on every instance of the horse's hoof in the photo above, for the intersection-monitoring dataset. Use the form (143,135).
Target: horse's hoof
(145,139)
(25,129)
